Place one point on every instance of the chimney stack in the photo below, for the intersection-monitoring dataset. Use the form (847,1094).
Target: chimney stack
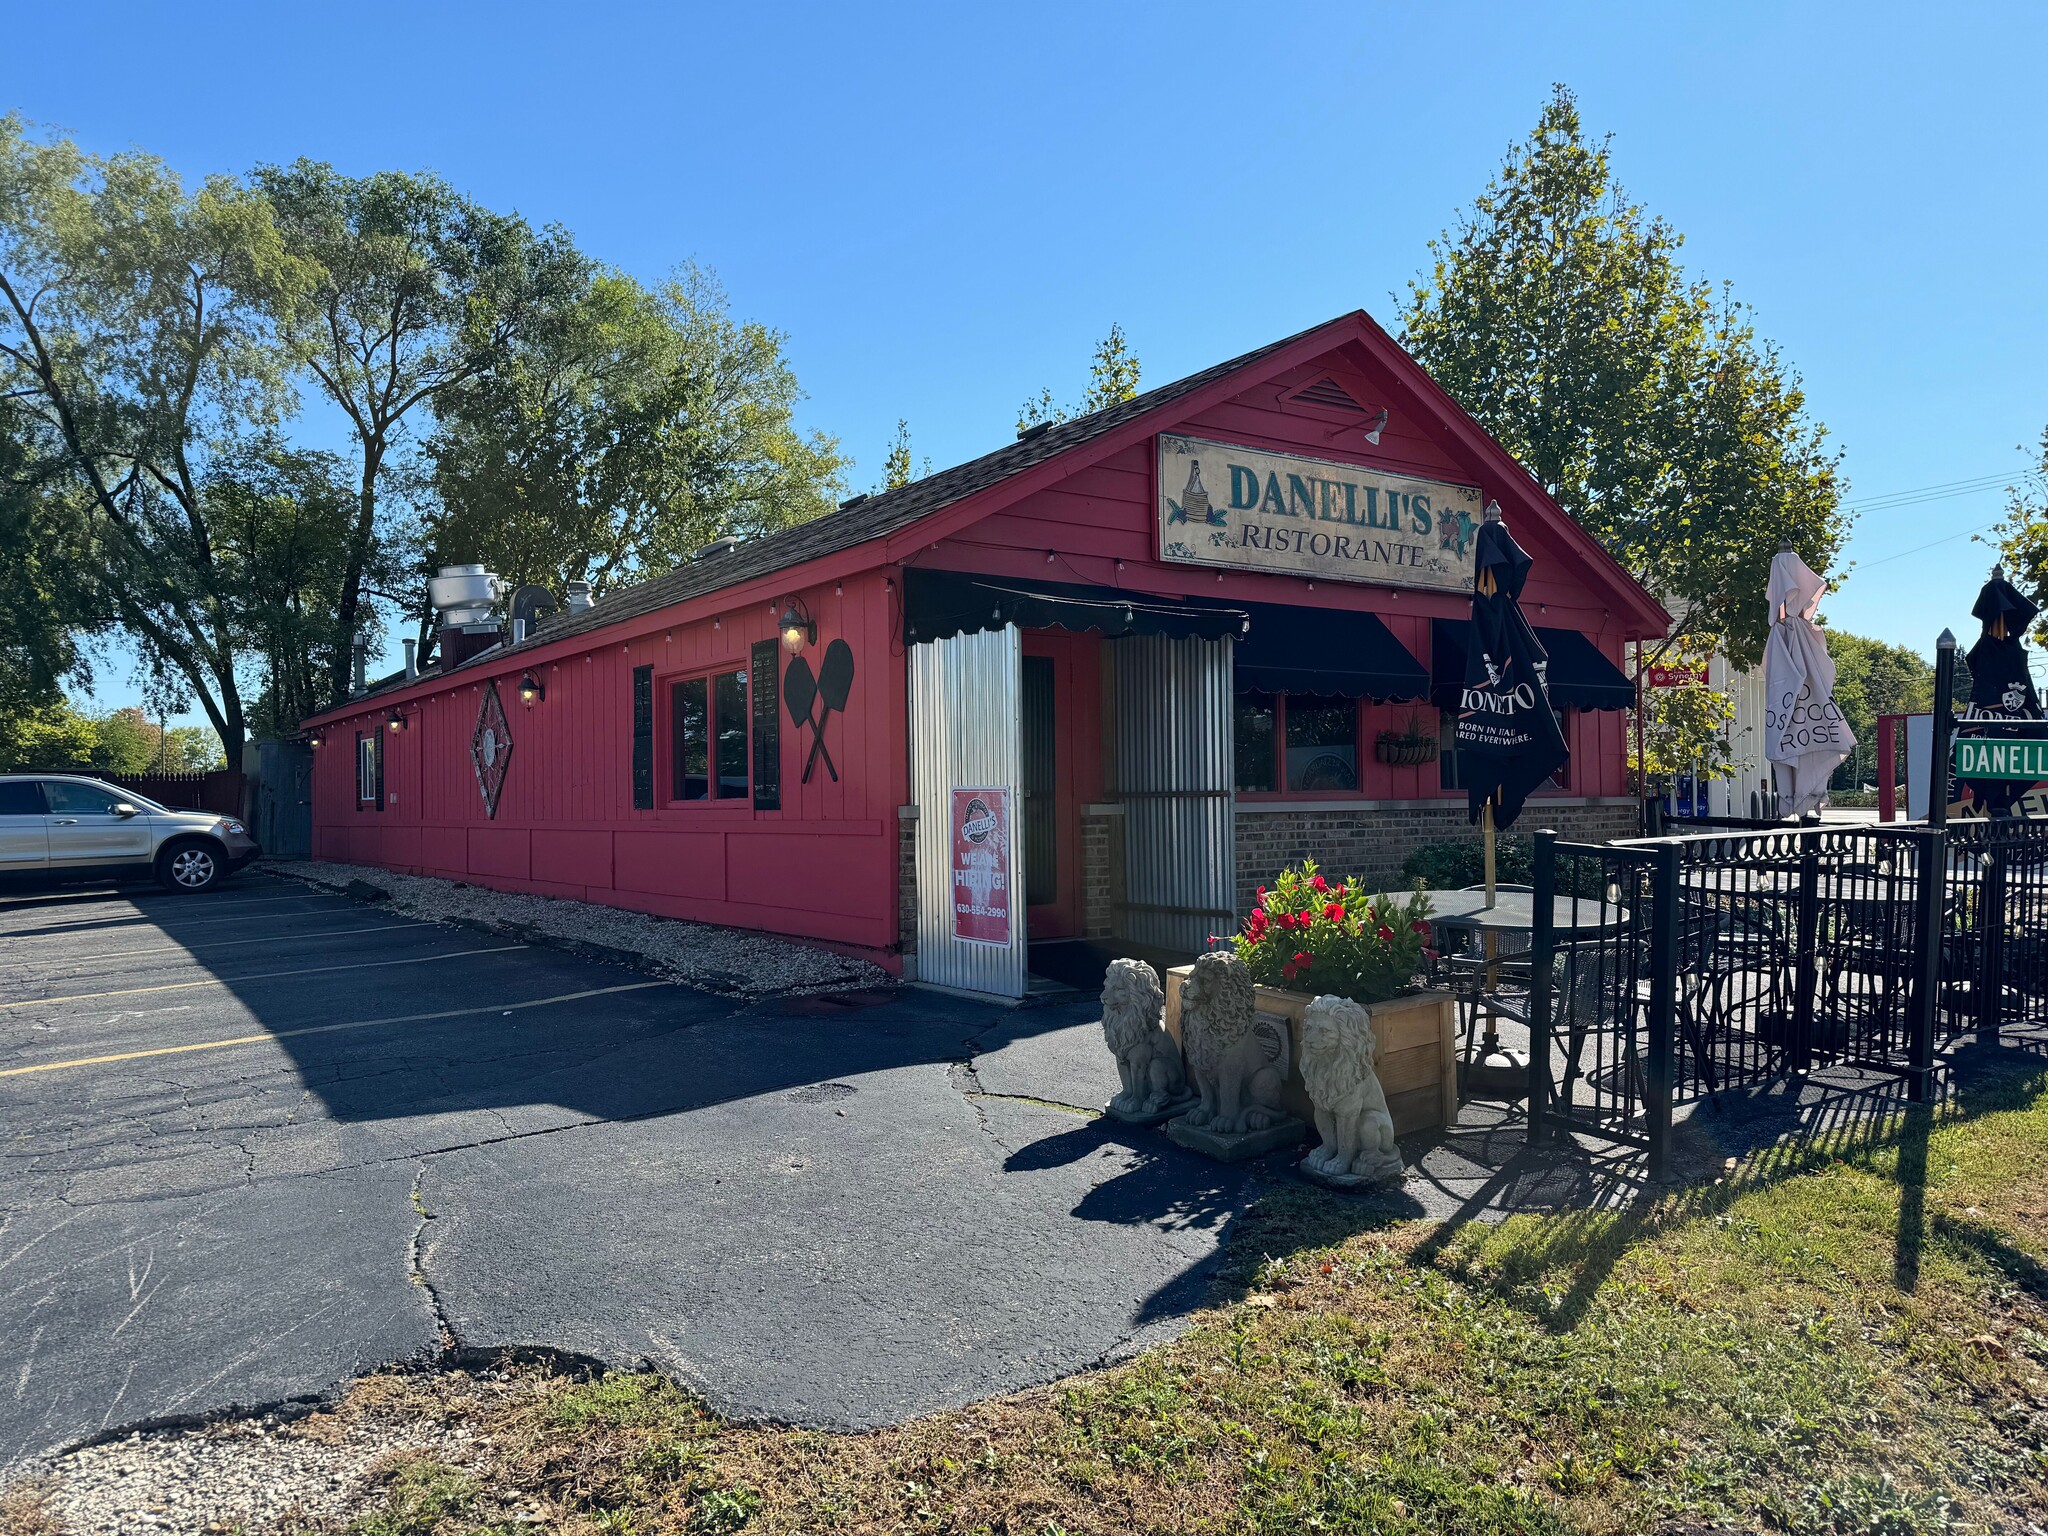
(576,595)
(362,681)
(412,649)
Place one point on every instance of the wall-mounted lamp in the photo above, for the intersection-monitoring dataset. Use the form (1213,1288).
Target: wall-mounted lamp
(395,722)
(530,690)
(799,629)
(313,741)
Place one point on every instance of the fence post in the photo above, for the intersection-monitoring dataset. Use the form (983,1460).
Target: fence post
(1989,982)
(1542,943)
(1806,972)
(1927,992)
(1663,1005)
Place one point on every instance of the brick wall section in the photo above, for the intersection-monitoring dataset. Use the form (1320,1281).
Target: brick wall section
(906,878)
(1372,844)
(1102,871)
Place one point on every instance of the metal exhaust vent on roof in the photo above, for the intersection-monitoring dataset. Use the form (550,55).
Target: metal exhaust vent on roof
(1330,395)
(724,546)
(853,501)
(1036,429)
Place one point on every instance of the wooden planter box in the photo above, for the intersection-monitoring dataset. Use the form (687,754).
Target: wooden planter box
(1418,1060)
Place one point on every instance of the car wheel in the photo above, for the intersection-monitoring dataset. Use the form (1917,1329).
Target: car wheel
(189,867)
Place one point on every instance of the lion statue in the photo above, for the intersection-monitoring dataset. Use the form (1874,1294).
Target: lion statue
(1237,1059)
(1147,1060)
(1338,1056)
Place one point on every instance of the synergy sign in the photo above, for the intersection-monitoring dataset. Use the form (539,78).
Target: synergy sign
(1250,510)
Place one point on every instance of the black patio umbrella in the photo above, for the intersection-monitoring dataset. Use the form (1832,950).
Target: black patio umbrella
(2001,682)
(1509,740)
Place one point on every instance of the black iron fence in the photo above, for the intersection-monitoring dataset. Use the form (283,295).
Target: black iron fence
(1721,960)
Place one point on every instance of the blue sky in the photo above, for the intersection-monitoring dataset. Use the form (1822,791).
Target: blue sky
(945,206)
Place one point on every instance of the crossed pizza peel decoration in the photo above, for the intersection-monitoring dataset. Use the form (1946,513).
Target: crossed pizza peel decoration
(490,749)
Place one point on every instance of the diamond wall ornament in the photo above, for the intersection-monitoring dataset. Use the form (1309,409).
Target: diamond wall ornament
(490,749)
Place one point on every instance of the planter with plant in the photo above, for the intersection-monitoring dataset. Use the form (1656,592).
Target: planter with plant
(1310,936)
(1408,747)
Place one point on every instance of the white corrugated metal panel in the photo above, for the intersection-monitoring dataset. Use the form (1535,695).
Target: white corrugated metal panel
(1175,778)
(965,732)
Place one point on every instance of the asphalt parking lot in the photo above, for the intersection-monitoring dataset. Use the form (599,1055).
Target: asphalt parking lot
(255,1143)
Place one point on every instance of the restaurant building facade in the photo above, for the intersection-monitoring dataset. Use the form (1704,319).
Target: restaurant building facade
(1096,685)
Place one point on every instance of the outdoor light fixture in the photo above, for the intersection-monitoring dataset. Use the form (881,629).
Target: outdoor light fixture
(530,690)
(396,721)
(799,629)
(1379,425)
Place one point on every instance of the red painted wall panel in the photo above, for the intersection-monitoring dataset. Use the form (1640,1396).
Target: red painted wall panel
(503,851)
(581,857)
(664,863)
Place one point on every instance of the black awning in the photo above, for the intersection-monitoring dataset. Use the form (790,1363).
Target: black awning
(938,604)
(1580,677)
(1326,650)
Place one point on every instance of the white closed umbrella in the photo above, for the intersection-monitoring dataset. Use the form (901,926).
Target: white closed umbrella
(1805,736)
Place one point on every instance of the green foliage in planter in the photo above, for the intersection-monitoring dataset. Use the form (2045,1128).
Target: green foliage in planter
(1451,866)
(1310,935)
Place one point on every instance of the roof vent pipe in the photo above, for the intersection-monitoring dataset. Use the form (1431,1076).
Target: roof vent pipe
(576,596)
(724,546)
(361,680)
(412,649)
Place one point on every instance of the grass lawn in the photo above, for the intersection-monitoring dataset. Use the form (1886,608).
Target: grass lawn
(1845,1338)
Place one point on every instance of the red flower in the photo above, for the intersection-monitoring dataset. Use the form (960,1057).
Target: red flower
(1334,912)
(1262,893)
(1304,960)
(1420,927)
(1318,884)
(1386,934)
(1288,971)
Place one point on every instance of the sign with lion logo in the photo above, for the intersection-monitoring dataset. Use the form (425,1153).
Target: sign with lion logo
(1251,510)
(981,866)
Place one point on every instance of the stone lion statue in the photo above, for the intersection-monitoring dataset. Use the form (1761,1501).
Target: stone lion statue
(1339,1053)
(1147,1060)
(1237,1059)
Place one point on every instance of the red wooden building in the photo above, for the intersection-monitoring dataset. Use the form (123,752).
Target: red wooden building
(1099,683)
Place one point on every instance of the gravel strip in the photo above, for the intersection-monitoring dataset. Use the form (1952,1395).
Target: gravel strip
(732,961)
(243,1476)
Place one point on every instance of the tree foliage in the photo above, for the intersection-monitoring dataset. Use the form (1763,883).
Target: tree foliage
(57,737)
(898,468)
(1112,379)
(614,441)
(1642,399)
(135,339)
(411,292)
(2022,537)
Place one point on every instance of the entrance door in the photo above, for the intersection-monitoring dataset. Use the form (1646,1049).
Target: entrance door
(966,777)
(1175,779)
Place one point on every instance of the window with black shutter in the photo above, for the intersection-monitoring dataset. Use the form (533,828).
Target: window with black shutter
(643,738)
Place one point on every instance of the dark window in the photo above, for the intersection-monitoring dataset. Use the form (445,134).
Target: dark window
(730,689)
(689,708)
(708,726)
(1447,751)
(1322,743)
(1254,741)
(21,797)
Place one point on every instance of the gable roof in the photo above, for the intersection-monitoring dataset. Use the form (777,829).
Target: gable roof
(863,519)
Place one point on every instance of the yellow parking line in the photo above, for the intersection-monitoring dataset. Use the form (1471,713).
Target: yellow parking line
(328,1029)
(228,981)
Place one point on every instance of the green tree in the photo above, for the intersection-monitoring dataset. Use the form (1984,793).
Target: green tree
(134,342)
(2022,538)
(898,468)
(49,737)
(413,292)
(615,441)
(1642,400)
(1112,379)
(1872,679)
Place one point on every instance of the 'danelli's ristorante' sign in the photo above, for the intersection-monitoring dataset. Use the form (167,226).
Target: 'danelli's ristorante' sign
(1251,510)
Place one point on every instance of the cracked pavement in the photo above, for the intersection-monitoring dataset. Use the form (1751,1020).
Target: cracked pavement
(256,1143)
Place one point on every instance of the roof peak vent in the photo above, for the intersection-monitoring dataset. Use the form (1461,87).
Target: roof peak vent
(724,546)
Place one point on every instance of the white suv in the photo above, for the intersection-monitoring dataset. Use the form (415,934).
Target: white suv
(62,825)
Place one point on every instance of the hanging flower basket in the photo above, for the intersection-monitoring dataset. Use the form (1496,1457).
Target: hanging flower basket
(1405,750)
